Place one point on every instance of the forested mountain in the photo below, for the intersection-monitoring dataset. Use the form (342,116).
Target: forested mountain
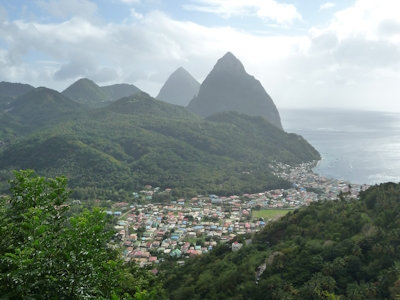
(179,88)
(142,104)
(139,140)
(43,106)
(14,89)
(346,248)
(10,91)
(118,91)
(10,129)
(86,92)
(229,88)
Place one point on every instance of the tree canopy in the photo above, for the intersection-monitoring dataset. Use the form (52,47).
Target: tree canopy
(46,255)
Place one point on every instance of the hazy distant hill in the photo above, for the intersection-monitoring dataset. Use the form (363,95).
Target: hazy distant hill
(118,91)
(87,92)
(229,88)
(179,88)
(139,140)
(142,104)
(42,106)
(14,89)
(10,91)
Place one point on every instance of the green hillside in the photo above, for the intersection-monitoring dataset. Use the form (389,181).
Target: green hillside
(10,91)
(5,101)
(14,89)
(86,92)
(118,91)
(43,106)
(139,140)
(10,129)
(142,104)
(346,248)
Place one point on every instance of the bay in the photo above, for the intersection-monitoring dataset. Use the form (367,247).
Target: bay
(357,146)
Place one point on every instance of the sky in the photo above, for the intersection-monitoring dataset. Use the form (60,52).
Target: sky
(306,53)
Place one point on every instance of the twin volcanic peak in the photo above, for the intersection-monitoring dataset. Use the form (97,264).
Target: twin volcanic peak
(229,88)
(179,88)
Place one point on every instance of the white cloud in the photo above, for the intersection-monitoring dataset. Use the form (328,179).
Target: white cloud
(3,14)
(130,2)
(327,5)
(353,61)
(269,10)
(68,8)
(364,18)
(136,15)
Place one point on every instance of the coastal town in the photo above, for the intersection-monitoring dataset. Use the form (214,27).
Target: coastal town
(150,233)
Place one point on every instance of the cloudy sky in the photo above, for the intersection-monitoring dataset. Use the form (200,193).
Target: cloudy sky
(306,53)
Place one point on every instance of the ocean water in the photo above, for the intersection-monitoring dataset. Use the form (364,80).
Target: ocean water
(357,146)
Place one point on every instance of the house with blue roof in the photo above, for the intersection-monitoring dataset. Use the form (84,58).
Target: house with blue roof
(175,237)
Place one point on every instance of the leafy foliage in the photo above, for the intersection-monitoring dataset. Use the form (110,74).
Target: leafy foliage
(344,248)
(45,255)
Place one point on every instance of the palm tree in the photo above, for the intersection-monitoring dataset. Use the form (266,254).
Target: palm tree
(329,283)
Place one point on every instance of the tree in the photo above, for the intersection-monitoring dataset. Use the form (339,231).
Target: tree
(45,255)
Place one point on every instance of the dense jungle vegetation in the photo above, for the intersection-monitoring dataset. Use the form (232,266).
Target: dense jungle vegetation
(139,140)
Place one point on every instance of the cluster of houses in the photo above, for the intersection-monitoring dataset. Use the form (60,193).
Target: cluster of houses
(188,227)
(182,228)
(303,176)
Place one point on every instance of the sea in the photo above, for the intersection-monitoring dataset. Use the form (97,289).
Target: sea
(356,146)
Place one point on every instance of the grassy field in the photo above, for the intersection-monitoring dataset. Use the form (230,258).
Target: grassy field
(270,213)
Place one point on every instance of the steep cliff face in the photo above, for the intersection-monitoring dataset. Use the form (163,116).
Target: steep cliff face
(179,88)
(229,88)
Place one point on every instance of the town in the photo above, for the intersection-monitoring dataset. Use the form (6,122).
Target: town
(152,232)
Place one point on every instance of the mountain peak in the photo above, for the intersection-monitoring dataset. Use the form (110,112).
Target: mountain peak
(14,89)
(180,72)
(84,81)
(179,88)
(228,87)
(229,63)
(85,91)
(43,106)
(120,90)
